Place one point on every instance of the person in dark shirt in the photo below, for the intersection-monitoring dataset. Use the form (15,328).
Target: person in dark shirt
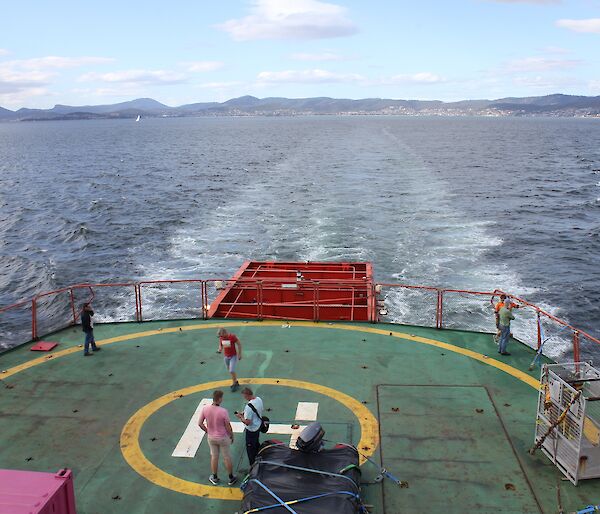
(88,328)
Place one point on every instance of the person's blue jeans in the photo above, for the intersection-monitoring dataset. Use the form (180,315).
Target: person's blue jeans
(89,340)
(504,337)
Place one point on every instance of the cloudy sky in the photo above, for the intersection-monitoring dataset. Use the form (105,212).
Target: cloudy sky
(78,53)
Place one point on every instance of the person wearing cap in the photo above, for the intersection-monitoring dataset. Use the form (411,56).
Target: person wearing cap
(505,316)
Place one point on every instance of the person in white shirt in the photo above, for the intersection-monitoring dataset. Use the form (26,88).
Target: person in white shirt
(252,420)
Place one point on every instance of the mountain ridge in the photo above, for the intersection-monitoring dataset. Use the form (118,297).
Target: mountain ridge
(550,105)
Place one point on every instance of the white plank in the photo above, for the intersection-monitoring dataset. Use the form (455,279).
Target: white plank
(237,427)
(294,437)
(307,411)
(192,437)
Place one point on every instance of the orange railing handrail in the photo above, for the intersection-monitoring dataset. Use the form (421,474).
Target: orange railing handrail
(317,285)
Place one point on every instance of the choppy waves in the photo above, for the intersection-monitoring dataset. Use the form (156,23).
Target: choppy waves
(465,203)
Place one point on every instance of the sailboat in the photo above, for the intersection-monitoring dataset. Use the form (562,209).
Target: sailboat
(138,118)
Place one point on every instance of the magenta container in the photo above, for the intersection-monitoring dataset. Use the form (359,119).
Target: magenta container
(31,492)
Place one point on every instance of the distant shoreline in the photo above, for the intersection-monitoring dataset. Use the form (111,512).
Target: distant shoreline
(557,105)
(309,114)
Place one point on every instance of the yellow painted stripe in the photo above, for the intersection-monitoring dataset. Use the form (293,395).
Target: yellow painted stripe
(524,377)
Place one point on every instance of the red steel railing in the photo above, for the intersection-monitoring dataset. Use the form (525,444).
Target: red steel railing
(196,299)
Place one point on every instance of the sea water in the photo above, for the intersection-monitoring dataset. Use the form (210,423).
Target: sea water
(460,202)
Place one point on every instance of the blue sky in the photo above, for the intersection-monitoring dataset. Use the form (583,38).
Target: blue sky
(78,53)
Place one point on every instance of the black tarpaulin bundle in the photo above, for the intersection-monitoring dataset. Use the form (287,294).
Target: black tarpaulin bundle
(308,483)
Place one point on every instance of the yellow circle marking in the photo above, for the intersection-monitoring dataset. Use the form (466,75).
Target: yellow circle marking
(130,443)
(524,377)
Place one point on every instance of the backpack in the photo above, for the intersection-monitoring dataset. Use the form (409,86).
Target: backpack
(264,421)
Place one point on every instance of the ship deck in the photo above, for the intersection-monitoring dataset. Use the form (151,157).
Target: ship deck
(438,408)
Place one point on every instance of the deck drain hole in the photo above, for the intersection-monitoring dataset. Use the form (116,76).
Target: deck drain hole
(396,409)
(478,411)
(507,404)
(116,497)
(510,487)
(29,459)
(74,411)
(364,367)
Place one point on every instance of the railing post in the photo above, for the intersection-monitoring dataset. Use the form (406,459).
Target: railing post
(259,297)
(316,304)
(539,330)
(203,296)
(33,319)
(73,306)
(440,309)
(576,353)
(140,318)
(137,302)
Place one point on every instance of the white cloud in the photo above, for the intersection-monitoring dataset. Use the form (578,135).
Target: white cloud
(307,76)
(416,78)
(324,56)
(203,66)
(590,25)
(22,97)
(56,62)
(13,81)
(142,77)
(594,87)
(291,19)
(4,51)
(23,79)
(535,64)
(550,84)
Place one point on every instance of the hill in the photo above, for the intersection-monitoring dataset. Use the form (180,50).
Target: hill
(550,105)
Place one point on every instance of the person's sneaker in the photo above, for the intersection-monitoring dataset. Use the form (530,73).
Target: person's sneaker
(97,349)
(235,387)
(87,354)
(504,353)
(232,480)
(214,479)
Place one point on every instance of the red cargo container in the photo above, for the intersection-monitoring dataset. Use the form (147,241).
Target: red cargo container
(31,492)
(318,291)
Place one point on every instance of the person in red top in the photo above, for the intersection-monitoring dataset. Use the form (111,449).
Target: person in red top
(231,347)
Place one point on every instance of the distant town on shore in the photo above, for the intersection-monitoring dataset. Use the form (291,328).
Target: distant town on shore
(557,105)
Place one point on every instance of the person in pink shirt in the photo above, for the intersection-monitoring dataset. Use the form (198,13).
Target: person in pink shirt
(214,420)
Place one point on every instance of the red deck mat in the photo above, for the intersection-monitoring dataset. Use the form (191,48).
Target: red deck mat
(43,346)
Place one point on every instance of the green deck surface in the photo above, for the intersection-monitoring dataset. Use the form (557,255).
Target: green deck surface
(457,429)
